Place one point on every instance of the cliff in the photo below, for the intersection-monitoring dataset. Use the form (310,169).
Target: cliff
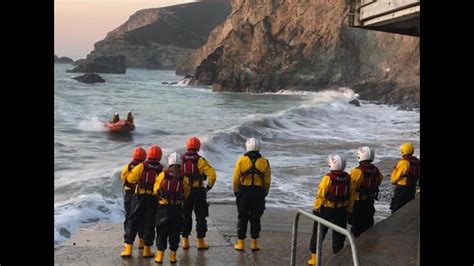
(270,45)
(160,38)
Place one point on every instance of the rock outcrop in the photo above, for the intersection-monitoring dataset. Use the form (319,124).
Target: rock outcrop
(62,60)
(159,38)
(79,62)
(102,64)
(89,78)
(269,45)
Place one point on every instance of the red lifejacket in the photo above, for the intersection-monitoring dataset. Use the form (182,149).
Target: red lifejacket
(171,188)
(189,166)
(131,165)
(413,173)
(370,183)
(339,187)
(150,170)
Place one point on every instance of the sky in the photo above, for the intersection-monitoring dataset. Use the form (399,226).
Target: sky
(78,24)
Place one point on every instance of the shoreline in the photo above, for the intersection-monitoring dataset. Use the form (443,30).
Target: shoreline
(101,243)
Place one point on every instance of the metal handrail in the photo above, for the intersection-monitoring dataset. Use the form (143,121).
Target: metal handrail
(319,246)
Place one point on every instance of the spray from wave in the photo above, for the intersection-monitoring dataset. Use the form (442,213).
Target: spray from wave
(93,124)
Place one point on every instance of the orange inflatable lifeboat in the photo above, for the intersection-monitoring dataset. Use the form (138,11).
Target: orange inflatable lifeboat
(120,126)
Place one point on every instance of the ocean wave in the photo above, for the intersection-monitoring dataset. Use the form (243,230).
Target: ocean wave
(349,92)
(296,141)
(68,215)
(268,126)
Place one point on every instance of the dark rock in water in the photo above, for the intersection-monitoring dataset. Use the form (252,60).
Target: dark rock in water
(164,82)
(104,209)
(188,76)
(90,220)
(64,232)
(102,64)
(90,78)
(62,60)
(173,83)
(79,62)
(355,102)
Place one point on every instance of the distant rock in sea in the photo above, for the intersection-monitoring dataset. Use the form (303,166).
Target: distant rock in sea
(89,78)
(102,64)
(62,60)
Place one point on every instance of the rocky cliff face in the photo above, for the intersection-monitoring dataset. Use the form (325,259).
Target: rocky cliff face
(268,45)
(160,38)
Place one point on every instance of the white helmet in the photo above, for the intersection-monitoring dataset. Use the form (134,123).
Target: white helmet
(365,153)
(336,162)
(252,144)
(116,113)
(174,158)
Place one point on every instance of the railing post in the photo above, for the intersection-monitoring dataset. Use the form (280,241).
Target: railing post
(294,239)
(319,245)
(355,254)
(418,255)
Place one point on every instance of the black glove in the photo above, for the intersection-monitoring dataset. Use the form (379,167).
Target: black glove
(349,218)
(208,188)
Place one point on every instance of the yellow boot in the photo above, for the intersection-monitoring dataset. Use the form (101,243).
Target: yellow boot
(240,245)
(253,245)
(147,252)
(159,256)
(127,251)
(185,242)
(202,244)
(173,257)
(313,259)
(141,243)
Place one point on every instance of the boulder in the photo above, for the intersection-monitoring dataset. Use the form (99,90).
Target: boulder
(89,78)
(355,102)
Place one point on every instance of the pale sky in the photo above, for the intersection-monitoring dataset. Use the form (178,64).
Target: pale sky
(78,24)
